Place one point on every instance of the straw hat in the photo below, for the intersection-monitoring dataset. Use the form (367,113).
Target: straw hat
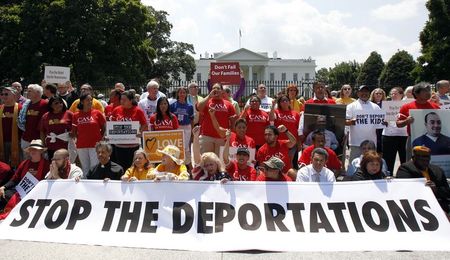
(36,144)
(173,152)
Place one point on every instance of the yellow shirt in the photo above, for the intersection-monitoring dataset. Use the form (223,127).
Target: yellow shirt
(95,105)
(345,101)
(180,171)
(140,174)
(296,105)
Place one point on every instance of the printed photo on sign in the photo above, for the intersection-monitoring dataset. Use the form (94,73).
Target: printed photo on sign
(327,118)
(157,140)
(429,129)
(122,132)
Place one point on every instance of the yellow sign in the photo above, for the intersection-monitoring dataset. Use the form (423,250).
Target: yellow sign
(157,140)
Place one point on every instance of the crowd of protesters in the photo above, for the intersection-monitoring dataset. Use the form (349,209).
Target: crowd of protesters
(56,132)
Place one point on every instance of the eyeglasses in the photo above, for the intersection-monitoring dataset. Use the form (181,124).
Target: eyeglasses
(378,93)
(4,94)
(284,100)
(346,89)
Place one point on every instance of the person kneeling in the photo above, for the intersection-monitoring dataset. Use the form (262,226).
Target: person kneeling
(61,168)
(140,168)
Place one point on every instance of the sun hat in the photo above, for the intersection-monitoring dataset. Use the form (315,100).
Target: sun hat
(173,152)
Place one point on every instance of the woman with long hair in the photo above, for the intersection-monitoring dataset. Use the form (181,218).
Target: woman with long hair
(127,111)
(256,119)
(114,101)
(88,128)
(162,119)
(139,169)
(292,93)
(345,95)
(378,96)
(56,125)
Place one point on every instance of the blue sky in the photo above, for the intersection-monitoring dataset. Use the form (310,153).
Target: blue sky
(325,30)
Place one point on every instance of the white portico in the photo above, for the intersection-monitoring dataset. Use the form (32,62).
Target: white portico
(257,66)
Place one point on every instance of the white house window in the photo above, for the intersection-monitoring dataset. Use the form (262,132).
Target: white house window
(306,76)
(254,76)
(295,77)
(199,77)
(283,76)
(272,76)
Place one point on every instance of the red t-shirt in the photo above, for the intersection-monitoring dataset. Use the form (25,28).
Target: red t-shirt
(28,165)
(333,163)
(235,141)
(247,174)
(56,123)
(257,120)
(290,119)
(317,101)
(89,127)
(280,150)
(108,111)
(165,124)
(7,119)
(404,110)
(128,114)
(262,177)
(224,110)
(34,115)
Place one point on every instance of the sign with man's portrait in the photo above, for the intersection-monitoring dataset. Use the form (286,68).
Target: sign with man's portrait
(429,129)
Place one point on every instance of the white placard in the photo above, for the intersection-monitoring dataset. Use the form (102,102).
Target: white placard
(209,216)
(54,74)
(27,183)
(122,132)
(392,108)
(370,118)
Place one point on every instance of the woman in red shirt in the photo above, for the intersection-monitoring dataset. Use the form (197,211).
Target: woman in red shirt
(285,115)
(239,138)
(257,120)
(127,111)
(163,119)
(88,128)
(56,125)
(114,101)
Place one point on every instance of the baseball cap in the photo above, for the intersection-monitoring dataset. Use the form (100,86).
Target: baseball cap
(274,163)
(243,150)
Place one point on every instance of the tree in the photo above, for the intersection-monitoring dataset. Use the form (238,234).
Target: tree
(322,75)
(398,71)
(103,41)
(343,73)
(434,63)
(371,70)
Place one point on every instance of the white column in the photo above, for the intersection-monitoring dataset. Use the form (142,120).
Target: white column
(250,72)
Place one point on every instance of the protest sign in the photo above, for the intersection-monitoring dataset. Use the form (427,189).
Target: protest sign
(429,129)
(157,140)
(373,118)
(27,183)
(54,74)
(225,73)
(122,132)
(392,108)
(209,216)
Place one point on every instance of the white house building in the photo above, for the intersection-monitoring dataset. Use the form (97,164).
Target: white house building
(257,66)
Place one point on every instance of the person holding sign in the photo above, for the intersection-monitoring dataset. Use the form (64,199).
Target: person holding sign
(37,166)
(420,167)
(238,169)
(128,111)
(88,128)
(319,95)
(210,139)
(360,127)
(171,166)
(140,168)
(207,166)
(61,168)
(422,93)
(56,125)
(163,119)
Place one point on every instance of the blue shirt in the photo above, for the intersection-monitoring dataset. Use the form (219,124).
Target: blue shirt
(184,112)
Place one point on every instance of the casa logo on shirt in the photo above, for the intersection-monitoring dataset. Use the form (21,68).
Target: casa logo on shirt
(31,112)
(238,145)
(56,121)
(166,122)
(218,107)
(289,118)
(86,119)
(124,119)
(278,155)
(236,176)
(258,118)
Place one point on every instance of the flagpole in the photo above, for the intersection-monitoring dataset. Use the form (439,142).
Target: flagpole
(240,36)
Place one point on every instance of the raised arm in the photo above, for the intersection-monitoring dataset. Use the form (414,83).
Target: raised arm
(226,149)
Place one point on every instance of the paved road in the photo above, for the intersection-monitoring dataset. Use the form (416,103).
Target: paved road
(34,250)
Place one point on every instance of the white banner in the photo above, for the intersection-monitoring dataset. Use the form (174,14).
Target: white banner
(209,216)
(122,132)
(373,118)
(392,108)
(26,184)
(54,74)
